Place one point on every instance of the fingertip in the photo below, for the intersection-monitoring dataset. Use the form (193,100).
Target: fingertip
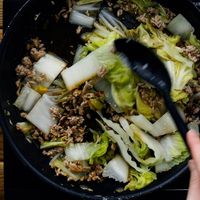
(192,134)
(191,131)
(191,164)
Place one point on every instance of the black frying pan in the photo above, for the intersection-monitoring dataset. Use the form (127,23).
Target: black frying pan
(22,28)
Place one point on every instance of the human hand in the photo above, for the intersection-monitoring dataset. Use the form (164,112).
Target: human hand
(194,165)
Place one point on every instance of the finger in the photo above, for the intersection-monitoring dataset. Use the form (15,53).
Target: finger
(194,145)
(194,185)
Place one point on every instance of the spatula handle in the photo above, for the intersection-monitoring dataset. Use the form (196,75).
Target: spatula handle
(176,117)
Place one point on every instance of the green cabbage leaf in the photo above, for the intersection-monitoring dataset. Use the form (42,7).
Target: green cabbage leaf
(139,180)
(175,152)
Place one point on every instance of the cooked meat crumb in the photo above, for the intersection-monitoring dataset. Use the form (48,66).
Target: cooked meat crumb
(26,61)
(53,152)
(22,71)
(77,166)
(143,18)
(37,54)
(191,52)
(158,22)
(152,99)
(96,173)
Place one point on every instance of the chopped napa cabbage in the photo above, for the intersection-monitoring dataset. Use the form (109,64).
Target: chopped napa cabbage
(95,104)
(50,66)
(139,180)
(165,45)
(59,164)
(79,151)
(124,151)
(142,122)
(40,89)
(87,151)
(178,95)
(123,82)
(52,144)
(24,127)
(143,108)
(117,169)
(41,115)
(83,2)
(88,66)
(138,137)
(180,75)
(104,86)
(99,37)
(152,144)
(102,146)
(144,4)
(175,152)
(164,125)
(108,20)
(143,35)
(123,148)
(140,149)
(180,26)
(27,99)
(81,19)
(194,41)
(170,52)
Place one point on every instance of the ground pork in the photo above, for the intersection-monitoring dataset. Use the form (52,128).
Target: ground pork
(53,152)
(96,173)
(143,18)
(158,22)
(152,99)
(77,166)
(191,52)
(37,54)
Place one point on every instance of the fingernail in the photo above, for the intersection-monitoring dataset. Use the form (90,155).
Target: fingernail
(191,131)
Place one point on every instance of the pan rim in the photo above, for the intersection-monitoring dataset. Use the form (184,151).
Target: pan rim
(36,171)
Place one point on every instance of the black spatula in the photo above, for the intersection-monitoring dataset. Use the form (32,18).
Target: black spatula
(148,66)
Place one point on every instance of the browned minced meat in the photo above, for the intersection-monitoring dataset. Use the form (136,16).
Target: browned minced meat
(55,112)
(77,166)
(96,173)
(192,110)
(35,43)
(92,173)
(53,152)
(37,135)
(23,71)
(27,62)
(191,52)
(36,54)
(158,22)
(152,11)
(125,5)
(152,16)
(152,98)
(58,131)
(76,107)
(36,50)
(143,18)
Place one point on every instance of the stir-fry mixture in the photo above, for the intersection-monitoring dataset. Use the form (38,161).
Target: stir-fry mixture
(94,117)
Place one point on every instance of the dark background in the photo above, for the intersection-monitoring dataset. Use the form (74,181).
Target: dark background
(22,184)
